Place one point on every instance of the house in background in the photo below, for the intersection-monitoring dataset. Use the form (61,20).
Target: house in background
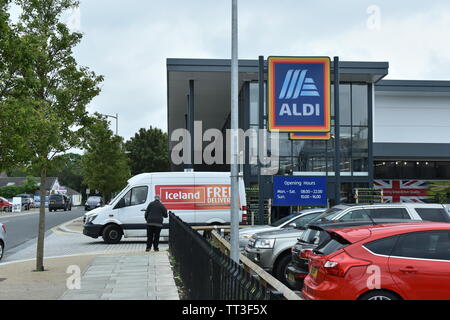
(51,184)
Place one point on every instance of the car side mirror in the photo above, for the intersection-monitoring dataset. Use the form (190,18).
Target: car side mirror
(292,225)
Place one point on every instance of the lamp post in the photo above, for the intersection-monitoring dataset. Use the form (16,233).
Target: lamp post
(117,121)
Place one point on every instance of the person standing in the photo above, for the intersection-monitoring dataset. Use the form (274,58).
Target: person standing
(154,215)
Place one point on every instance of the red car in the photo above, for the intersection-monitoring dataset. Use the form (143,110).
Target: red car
(5,205)
(384,262)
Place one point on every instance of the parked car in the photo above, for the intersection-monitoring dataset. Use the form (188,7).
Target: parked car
(59,202)
(2,240)
(313,236)
(27,201)
(5,205)
(272,251)
(316,234)
(296,219)
(93,202)
(383,262)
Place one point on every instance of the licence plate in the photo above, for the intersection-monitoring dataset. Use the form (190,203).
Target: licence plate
(313,272)
(52,202)
(291,277)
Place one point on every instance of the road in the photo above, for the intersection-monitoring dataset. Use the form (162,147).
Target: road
(23,228)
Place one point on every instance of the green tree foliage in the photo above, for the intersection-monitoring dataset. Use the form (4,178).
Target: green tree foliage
(104,165)
(14,87)
(148,151)
(52,90)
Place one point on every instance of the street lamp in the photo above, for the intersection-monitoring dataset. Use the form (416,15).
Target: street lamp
(117,121)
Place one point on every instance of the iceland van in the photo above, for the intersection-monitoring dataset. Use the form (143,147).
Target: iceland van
(198,198)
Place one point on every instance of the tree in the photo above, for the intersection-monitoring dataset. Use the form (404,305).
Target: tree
(58,89)
(105,164)
(148,151)
(13,91)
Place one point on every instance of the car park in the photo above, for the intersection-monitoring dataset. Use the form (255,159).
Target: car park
(272,251)
(59,202)
(408,261)
(5,205)
(2,240)
(93,202)
(315,233)
(293,220)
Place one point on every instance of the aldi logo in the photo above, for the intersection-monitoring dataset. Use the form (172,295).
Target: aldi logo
(299,94)
(304,87)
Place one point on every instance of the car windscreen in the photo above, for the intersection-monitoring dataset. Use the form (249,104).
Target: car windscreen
(56,197)
(283,220)
(94,199)
(328,215)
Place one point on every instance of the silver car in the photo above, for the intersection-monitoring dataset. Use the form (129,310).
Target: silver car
(2,239)
(295,219)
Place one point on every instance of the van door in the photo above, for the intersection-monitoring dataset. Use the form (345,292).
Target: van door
(132,214)
(177,195)
(214,205)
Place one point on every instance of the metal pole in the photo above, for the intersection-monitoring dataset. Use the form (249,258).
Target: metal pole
(261,126)
(117,124)
(337,133)
(234,254)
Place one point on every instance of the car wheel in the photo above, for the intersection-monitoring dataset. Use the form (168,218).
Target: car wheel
(2,249)
(379,295)
(280,269)
(112,234)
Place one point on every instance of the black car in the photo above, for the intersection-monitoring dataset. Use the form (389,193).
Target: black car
(93,202)
(316,234)
(59,202)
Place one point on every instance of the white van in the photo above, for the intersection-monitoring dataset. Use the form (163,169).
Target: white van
(198,198)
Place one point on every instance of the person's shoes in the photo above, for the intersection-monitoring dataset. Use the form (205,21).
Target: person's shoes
(156,250)
(147,250)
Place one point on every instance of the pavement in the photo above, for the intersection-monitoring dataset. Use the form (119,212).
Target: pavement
(117,272)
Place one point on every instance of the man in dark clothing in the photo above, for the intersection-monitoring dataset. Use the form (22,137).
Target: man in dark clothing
(154,215)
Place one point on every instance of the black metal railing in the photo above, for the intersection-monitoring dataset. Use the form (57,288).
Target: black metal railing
(207,273)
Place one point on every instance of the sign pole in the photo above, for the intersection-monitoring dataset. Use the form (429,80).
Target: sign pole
(261,127)
(337,134)
(234,254)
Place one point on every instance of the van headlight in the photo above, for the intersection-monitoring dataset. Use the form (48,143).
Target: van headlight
(91,218)
(264,243)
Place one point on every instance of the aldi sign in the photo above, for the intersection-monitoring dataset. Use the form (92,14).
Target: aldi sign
(310,136)
(299,94)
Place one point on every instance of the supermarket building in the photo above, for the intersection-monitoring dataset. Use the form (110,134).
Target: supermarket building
(394,134)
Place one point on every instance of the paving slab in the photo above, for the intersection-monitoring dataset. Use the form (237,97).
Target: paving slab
(138,277)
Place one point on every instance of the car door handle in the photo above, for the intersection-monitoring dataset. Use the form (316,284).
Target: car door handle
(408,270)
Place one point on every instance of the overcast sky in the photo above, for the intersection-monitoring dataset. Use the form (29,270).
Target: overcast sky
(129,41)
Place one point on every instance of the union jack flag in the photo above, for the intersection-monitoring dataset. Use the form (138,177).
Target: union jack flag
(403,190)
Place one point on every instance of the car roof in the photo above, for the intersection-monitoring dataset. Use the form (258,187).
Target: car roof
(347,224)
(358,233)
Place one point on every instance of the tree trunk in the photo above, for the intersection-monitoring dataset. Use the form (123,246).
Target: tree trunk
(41,230)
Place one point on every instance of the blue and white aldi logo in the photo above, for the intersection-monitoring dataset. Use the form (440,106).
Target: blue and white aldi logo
(299,94)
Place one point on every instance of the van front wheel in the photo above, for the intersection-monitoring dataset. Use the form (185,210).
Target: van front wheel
(112,234)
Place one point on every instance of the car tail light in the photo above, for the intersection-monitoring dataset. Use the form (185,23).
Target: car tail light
(4,228)
(244,214)
(341,263)
(305,254)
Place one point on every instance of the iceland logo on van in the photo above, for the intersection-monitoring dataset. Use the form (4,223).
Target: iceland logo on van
(296,79)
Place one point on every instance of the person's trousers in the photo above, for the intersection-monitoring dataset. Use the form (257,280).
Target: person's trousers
(153,233)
